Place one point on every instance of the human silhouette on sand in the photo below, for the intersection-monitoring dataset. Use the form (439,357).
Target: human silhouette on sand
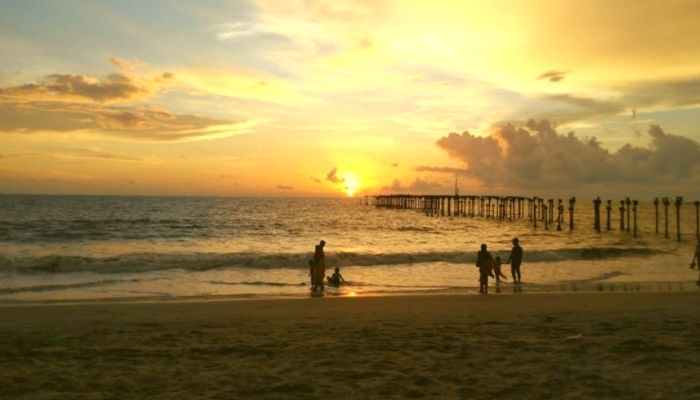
(336,278)
(696,260)
(318,275)
(497,270)
(485,263)
(515,259)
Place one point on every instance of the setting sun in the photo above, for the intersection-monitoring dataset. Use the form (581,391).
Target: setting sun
(350,184)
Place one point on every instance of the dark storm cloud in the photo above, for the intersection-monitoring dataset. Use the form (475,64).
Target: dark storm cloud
(536,156)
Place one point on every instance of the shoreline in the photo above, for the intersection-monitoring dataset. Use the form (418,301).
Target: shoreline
(505,289)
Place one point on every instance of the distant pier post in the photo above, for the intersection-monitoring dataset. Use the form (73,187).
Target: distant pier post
(546,215)
(572,202)
(596,215)
(608,208)
(656,214)
(666,203)
(697,219)
(627,203)
(634,216)
(622,215)
(560,214)
(679,202)
(521,204)
(543,211)
(534,212)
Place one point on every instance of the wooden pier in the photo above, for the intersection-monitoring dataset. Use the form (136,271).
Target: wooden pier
(548,213)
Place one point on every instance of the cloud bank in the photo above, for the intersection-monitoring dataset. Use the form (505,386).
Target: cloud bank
(112,106)
(535,156)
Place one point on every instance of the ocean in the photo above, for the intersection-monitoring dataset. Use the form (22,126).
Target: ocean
(75,248)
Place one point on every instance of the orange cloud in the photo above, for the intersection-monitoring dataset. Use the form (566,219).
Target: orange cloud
(114,87)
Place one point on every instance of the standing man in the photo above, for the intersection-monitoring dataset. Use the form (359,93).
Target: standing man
(515,259)
(485,263)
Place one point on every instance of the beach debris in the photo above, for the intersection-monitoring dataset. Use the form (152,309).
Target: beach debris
(574,337)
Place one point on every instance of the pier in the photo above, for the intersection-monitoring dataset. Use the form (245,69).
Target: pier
(547,213)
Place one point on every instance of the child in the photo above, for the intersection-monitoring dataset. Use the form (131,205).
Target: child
(497,270)
(336,278)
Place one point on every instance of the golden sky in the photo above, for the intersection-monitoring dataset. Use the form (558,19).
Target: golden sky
(329,98)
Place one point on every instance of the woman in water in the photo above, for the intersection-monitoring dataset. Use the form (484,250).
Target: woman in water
(319,268)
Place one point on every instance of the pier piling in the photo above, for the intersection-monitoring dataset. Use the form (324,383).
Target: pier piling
(679,202)
(656,214)
(666,203)
(627,203)
(622,215)
(596,214)
(634,214)
(546,211)
(572,201)
(697,219)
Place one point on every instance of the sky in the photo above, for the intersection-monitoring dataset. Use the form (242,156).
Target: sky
(342,98)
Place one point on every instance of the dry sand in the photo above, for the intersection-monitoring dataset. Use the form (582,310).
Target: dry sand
(538,346)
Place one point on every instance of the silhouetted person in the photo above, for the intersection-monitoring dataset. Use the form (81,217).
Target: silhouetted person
(515,259)
(696,260)
(311,274)
(319,267)
(485,263)
(336,278)
(497,270)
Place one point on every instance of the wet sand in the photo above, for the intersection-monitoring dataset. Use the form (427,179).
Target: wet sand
(537,346)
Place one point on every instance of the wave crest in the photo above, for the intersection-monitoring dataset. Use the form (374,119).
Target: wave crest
(143,262)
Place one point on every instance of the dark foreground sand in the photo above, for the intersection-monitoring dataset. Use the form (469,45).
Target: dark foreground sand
(540,346)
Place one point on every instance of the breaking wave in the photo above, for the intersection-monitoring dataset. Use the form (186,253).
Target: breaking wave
(144,262)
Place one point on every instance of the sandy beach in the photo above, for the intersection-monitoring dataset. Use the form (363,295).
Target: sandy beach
(564,346)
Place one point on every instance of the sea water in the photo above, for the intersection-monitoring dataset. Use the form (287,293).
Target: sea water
(111,247)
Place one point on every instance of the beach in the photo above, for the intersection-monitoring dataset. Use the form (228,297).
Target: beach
(641,345)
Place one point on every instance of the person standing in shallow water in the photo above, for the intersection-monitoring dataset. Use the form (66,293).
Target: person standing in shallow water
(485,263)
(696,260)
(319,268)
(497,270)
(515,259)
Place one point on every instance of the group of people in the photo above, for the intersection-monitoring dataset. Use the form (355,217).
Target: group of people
(490,267)
(317,270)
